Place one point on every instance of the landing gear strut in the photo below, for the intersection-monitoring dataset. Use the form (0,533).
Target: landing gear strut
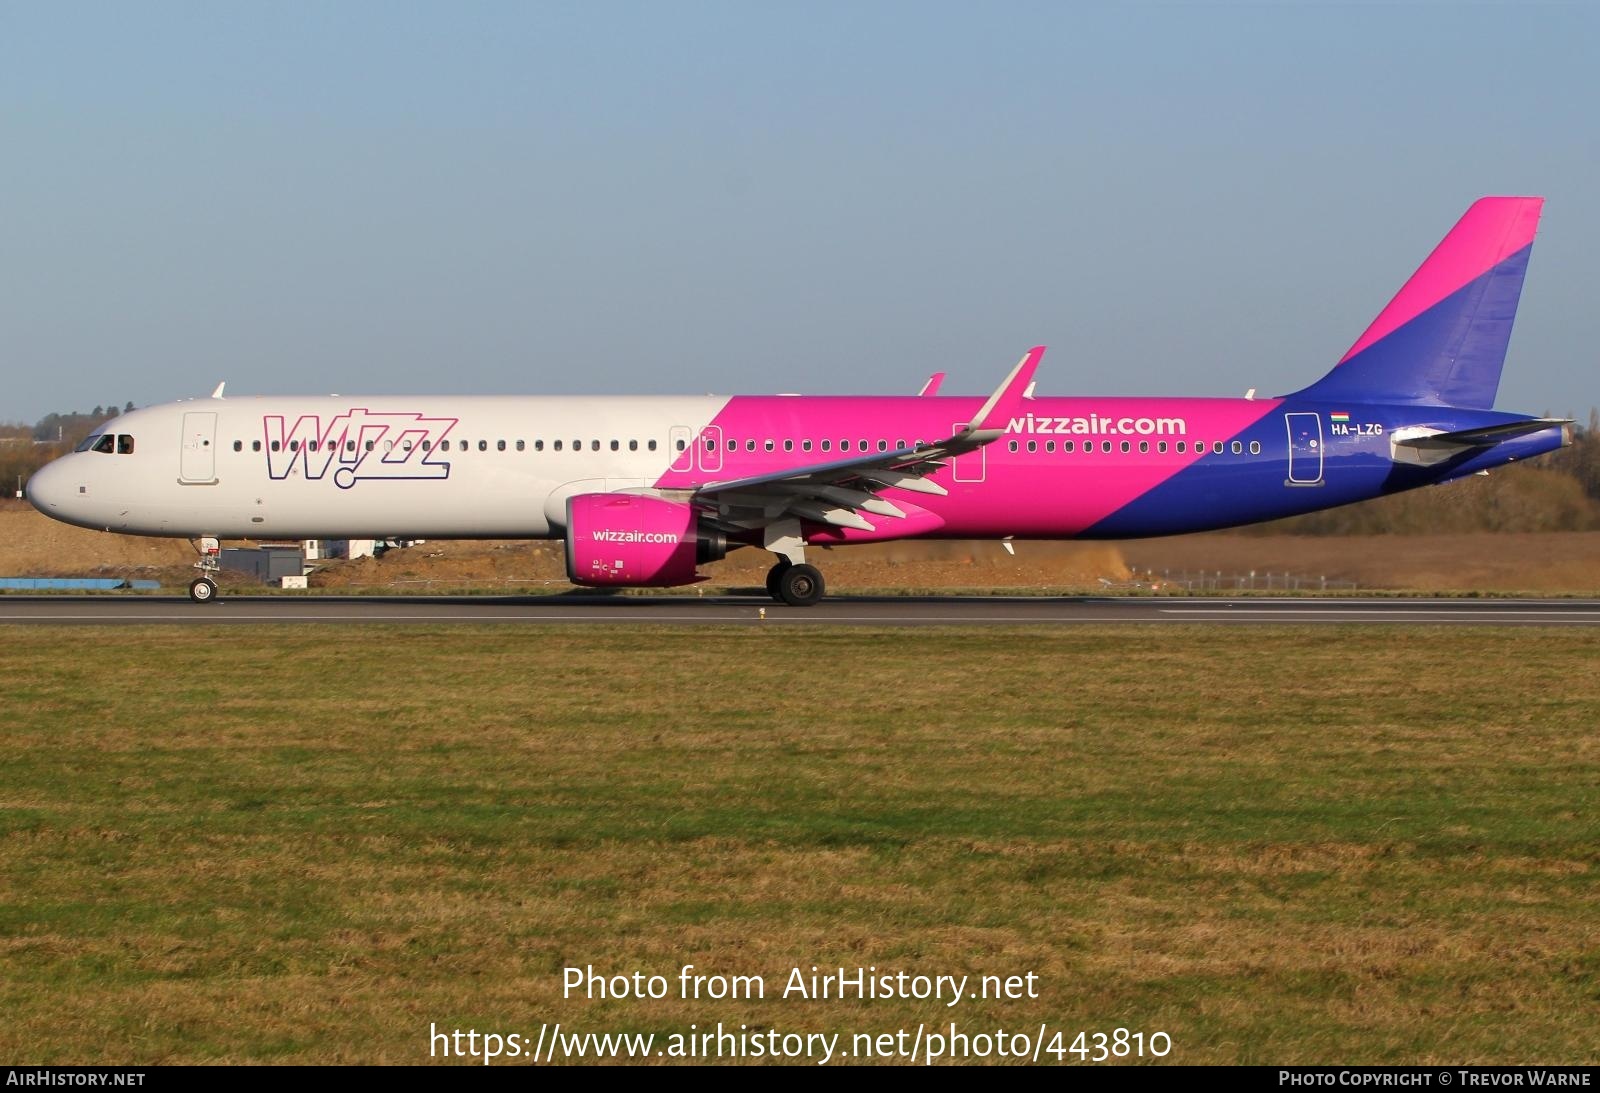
(791,581)
(796,585)
(203,589)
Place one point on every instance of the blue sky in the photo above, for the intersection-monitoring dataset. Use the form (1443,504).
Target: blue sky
(1183,199)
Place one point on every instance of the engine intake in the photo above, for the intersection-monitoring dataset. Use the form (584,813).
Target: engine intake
(630,540)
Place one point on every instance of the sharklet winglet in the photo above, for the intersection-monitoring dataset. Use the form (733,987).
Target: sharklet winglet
(1003,404)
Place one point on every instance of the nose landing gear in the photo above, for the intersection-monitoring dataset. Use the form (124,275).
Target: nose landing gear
(203,589)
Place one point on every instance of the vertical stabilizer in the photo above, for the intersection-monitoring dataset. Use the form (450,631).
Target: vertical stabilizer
(1442,339)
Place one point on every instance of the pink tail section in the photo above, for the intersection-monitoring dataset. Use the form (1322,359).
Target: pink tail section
(1492,230)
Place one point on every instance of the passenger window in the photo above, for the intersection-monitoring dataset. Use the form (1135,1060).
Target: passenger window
(616,446)
(827,445)
(1161,446)
(427,445)
(1105,446)
(1125,447)
(483,445)
(538,445)
(864,446)
(711,445)
(408,445)
(1216,447)
(1033,447)
(370,444)
(349,445)
(294,445)
(733,445)
(633,445)
(1237,447)
(750,445)
(1255,447)
(788,445)
(651,445)
(1013,445)
(769,445)
(1180,447)
(1067,445)
(805,445)
(255,445)
(238,445)
(681,445)
(1144,445)
(1049,447)
(557,445)
(521,445)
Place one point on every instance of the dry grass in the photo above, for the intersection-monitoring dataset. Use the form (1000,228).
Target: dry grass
(305,845)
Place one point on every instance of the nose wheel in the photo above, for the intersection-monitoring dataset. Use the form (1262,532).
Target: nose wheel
(796,585)
(203,589)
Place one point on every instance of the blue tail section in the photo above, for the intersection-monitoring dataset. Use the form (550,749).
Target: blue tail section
(1442,339)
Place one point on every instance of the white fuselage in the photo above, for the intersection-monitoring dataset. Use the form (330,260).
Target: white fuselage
(290,468)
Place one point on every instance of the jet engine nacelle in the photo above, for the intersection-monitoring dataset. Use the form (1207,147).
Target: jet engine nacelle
(617,539)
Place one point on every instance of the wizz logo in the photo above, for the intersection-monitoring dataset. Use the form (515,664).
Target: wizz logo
(357,444)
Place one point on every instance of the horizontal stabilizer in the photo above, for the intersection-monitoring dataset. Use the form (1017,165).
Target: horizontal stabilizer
(1486,437)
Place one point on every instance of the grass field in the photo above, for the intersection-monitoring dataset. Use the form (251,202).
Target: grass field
(1275,845)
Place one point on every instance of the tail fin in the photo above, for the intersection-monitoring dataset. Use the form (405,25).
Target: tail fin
(1442,339)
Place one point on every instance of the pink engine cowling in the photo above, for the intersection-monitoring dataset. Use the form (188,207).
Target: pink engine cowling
(621,539)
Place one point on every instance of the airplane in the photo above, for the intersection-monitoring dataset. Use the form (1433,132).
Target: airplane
(645,490)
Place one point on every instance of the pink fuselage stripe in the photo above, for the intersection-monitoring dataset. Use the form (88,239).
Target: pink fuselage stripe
(1492,230)
(993,492)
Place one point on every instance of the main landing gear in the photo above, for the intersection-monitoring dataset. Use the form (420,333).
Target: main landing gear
(203,589)
(796,585)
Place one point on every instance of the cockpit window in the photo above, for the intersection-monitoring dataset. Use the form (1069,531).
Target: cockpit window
(106,443)
(124,444)
(87,442)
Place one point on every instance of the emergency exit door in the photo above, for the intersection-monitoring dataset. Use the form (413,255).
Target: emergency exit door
(198,461)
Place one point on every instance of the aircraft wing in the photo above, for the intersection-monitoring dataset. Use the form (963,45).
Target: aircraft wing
(839,492)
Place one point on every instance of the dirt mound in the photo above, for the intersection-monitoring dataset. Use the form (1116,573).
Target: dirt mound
(32,545)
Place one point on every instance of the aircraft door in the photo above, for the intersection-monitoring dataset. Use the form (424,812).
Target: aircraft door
(972,466)
(198,459)
(711,449)
(679,442)
(1305,449)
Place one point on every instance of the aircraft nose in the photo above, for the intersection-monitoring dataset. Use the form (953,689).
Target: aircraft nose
(49,489)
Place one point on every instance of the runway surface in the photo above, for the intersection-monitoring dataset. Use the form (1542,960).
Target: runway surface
(843,610)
